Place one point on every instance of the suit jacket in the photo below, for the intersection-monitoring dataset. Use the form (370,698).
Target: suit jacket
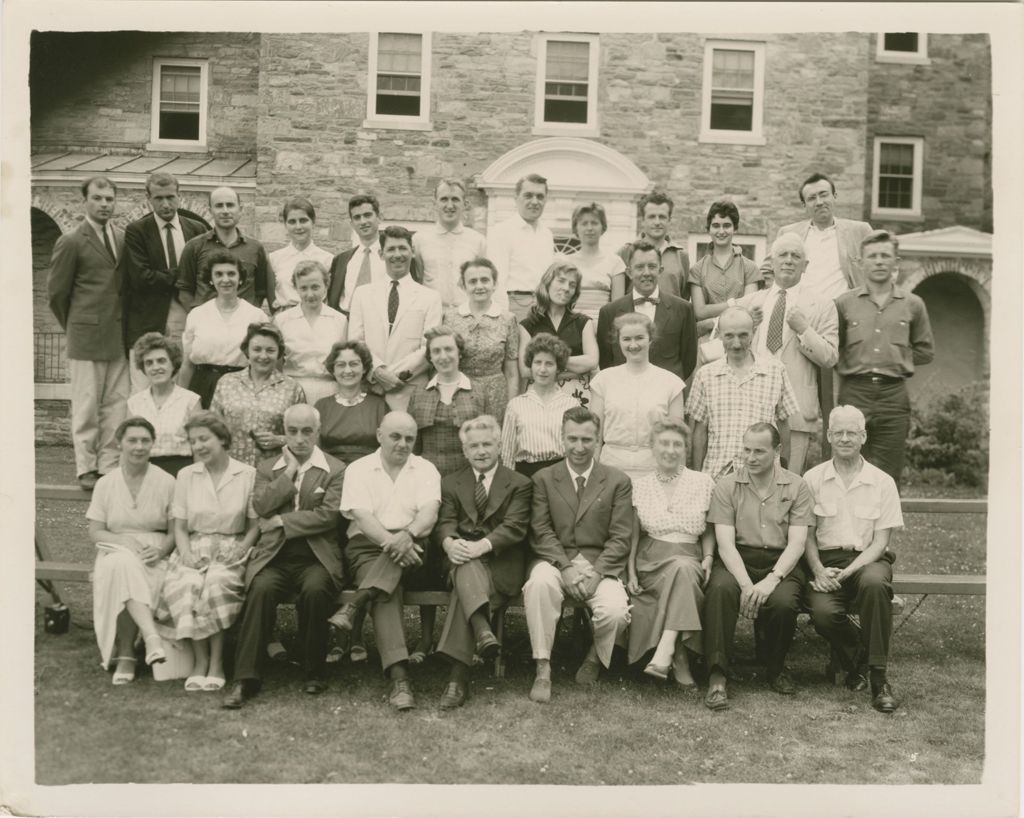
(318,518)
(84,288)
(598,526)
(849,234)
(505,521)
(675,348)
(419,309)
(819,348)
(336,289)
(149,284)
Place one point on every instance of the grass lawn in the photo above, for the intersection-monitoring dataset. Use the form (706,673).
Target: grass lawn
(628,730)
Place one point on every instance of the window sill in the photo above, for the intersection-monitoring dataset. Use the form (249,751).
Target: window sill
(177,147)
(399,124)
(905,59)
(565,129)
(897,215)
(731,138)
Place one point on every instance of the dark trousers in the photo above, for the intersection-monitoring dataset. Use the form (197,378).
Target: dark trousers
(868,593)
(295,568)
(776,621)
(530,469)
(886,408)
(472,589)
(204,380)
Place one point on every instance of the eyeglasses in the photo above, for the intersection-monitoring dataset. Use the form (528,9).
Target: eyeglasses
(842,434)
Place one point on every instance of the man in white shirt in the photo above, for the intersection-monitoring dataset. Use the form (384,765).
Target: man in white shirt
(362,263)
(392,498)
(443,247)
(799,329)
(521,247)
(391,316)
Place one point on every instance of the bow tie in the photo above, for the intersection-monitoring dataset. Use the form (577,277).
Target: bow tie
(638,301)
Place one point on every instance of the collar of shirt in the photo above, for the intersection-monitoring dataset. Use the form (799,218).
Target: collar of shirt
(274,378)
(316,460)
(404,283)
(655,295)
(350,401)
(585,475)
(792,294)
(462,383)
(488,476)
(161,224)
(411,463)
(211,235)
(830,229)
(723,367)
(494,311)
(522,224)
(865,475)
(668,242)
(896,292)
(234,468)
(97,227)
(440,230)
(780,476)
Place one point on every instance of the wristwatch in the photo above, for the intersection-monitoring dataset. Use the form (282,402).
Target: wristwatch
(775,572)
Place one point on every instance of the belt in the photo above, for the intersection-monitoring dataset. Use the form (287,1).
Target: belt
(874,378)
(520,292)
(220,368)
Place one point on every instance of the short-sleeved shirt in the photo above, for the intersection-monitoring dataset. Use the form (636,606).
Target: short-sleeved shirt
(681,518)
(395,503)
(532,430)
(730,405)
(762,523)
(307,343)
(632,401)
(443,252)
(212,337)
(597,272)
(113,505)
(215,509)
(849,516)
(720,284)
(283,262)
(168,419)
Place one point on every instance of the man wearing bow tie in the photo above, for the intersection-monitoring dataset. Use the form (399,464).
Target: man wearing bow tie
(675,341)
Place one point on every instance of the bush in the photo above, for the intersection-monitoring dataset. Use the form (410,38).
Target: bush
(948,442)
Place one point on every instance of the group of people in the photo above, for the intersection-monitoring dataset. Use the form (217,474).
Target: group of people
(647,463)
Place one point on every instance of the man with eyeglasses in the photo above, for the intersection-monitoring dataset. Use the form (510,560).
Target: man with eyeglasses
(856,507)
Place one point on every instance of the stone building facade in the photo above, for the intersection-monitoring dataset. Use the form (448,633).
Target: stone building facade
(308,113)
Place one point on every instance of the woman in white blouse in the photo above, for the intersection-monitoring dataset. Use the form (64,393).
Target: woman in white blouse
(604,272)
(310,329)
(214,331)
(628,397)
(670,558)
(299,219)
(164,404)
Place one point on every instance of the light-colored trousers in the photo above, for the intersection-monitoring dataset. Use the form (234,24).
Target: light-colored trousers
(542,599)
(798,443)
(99,390)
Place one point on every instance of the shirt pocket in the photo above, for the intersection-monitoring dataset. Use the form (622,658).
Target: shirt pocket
(857,332)
(900,333)
(783,509)
(826,509)
(865,513)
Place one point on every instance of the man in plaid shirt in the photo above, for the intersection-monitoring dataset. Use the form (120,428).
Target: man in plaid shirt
(735,392)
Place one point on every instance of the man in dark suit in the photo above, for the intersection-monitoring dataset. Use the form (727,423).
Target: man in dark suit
(297,498)
(482,524)
(675,343)
(84,289)
(580,528)
(153,245)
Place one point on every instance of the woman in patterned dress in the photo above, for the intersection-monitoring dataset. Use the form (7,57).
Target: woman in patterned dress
(164,404)
(252,402)
(629,397)
(215,529)
(128,516)
(490,336)
(309,329)
(556,296)
(671,555)
(603,273)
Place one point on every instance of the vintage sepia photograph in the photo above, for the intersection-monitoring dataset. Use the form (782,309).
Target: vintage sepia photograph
(606,401)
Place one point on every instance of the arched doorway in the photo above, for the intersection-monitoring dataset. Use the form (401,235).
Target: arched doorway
(48,337)
(958,324)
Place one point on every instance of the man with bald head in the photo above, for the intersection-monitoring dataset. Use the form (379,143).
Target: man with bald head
(856,508)
(392,497)
(800,330)
(296,498)
(729,395)
(258,278)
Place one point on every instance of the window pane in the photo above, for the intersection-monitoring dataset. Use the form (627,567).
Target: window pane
(565,110)
(896,193)
(896,176)
(905,41)
(730,112)
(398,105)
(568,61)
(399,53)
(180,87)
(732,69)
(179,126)
(896,159)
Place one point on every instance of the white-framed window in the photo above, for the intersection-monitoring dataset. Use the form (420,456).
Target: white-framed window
(752,246)
(398,81)
(897,175)
(566,94)
(732,108)
(905,46)
(179,106)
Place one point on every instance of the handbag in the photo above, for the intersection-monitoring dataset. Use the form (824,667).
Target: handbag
(180,661)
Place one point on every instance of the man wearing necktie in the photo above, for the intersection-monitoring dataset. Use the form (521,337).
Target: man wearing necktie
(675,341)
(84,288)
(482,525)
(152,247)
(800,330)
(580,529)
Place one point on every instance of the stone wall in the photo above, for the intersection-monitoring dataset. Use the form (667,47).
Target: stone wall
(53,422)
(94,90)
(949,104)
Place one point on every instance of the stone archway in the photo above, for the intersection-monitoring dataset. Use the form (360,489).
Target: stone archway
(578,171)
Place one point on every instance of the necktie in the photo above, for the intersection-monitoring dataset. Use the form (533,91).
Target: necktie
(106,242)
(364,269)
(172,254)
(392,306)
(774,338)
(480,496)
(581,483)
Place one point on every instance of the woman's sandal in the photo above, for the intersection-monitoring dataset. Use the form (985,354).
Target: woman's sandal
(121,677)
(211,684)
(658,671)
(155,650)
(194,684)
(358,653)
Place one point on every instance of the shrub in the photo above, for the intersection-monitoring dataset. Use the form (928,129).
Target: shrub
(948,442)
